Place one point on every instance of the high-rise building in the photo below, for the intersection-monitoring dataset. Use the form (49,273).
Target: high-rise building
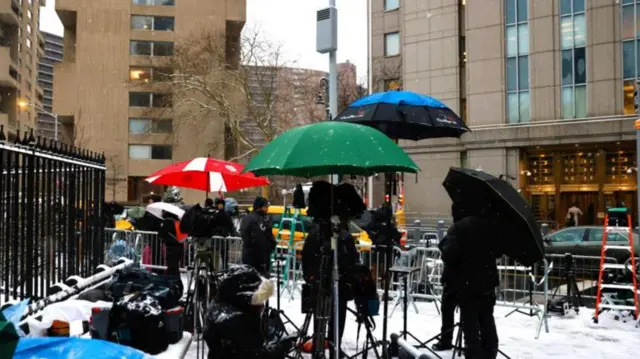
(53,50)
(21,44)
(546,87)
(107,92)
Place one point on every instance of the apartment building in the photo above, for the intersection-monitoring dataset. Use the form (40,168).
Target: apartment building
(53,53)
(106,92)
(546,87)
(21,44)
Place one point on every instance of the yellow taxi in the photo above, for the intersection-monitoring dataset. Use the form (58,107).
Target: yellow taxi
(275,212)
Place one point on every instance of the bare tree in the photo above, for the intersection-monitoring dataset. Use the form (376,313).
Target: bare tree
(387,74)
(115,174)
(208,83)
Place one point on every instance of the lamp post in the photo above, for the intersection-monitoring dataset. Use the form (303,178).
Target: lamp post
(25,104)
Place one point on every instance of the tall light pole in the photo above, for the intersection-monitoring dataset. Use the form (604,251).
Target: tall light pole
(370,91)
(25,104)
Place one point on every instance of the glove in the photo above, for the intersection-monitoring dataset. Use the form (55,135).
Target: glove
(286,343)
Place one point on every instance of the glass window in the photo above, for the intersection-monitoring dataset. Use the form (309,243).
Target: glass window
(579,31)
(165,2)
(580,99)
(162,126)
(140,48)
(162,48)
(139,99)
(140,74)
(512,74)
(568,235)
(391,4)
(138,126)
(580,66)
(628,59)
(523,99)
(567,67)
(162,73)
(141,22)
(578,6)
(512,107)
(163,23)
(510,11)
(567,102)
(628,28)
(523,39)
(392,44)
(629,102)
(566,27)
(523,72)
(565,7)
(161,152)
(512,40)
(523,10)
(28,43)
(161,100)
(139,152)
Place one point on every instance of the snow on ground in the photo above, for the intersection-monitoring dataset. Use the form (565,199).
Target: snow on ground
(568,338)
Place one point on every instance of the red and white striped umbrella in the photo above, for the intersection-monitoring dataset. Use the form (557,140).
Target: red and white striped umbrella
(207,174)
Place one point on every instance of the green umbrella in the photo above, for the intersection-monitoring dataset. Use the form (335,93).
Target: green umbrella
(8,338)
(331,147)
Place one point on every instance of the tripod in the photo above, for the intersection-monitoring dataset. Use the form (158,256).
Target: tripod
(370,343)
(573,293)
(279,312)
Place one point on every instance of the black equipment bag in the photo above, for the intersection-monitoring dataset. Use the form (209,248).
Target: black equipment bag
(166,289)
(137,321)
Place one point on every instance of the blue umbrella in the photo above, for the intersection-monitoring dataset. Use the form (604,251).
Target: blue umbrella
(405,115)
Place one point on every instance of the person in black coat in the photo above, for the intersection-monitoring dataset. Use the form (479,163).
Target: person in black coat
(233,327)
(257,237)
(170,236)
(471,274)
(223,227)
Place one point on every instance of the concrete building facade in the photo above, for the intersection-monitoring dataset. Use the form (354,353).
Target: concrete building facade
(21,44)
(53,54)
(105,90)
(545,85)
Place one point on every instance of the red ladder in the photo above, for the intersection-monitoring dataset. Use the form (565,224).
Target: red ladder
(631,286)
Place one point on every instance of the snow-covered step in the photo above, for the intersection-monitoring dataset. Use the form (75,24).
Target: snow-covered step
(616,286)
(613,266)
(626,248)
(617,307)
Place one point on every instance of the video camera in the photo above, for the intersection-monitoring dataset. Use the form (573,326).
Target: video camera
(199,222)
(381,227)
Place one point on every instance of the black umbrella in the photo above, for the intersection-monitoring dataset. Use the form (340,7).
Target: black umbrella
(518,233)
(405,115)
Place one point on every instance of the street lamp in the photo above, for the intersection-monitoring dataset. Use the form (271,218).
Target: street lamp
(24,104)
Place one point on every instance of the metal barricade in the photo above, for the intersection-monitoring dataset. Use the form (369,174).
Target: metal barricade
(585,268)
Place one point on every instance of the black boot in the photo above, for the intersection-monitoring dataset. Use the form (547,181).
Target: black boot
(442,346)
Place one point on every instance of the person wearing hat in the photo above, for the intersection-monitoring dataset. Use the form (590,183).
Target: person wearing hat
(223,228)
(257,237)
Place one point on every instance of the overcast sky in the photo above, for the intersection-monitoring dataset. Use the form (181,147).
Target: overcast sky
(292,23)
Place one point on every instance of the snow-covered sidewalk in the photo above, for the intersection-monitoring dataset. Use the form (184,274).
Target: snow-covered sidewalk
(568,338)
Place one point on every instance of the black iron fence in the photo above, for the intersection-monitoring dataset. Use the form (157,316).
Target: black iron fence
(51,214)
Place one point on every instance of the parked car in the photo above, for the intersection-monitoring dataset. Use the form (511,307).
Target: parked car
(587,241)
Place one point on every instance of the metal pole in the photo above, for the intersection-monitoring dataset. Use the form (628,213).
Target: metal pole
(370,91)
(55,127)
(637,126)
(333,109)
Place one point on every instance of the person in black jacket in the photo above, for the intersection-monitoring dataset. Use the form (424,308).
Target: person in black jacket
(257,237)
(233,328)
(469,256)
(169,235)
(223,228)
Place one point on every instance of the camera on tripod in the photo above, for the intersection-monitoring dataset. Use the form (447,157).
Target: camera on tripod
(198,222)
(381,227)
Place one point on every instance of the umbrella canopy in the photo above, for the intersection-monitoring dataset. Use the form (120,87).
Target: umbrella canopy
(207,174)
(520,236)
(405,115)
(8,338)
(331,148)
(157,208)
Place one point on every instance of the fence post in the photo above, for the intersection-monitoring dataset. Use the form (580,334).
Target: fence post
(440,230)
